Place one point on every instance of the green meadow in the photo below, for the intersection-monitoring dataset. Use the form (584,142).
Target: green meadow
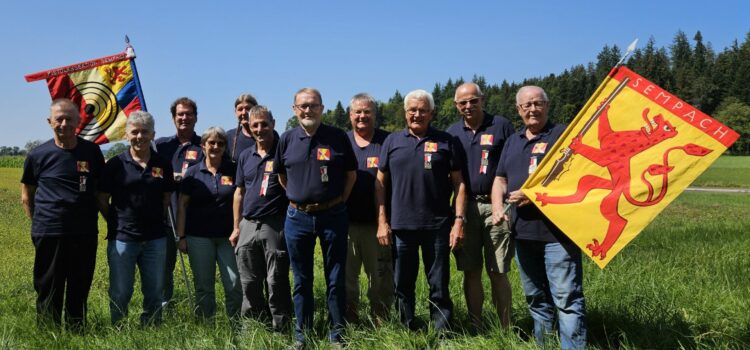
(684,283)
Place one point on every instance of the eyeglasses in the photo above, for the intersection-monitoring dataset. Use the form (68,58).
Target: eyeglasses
(473,101)
(305,106)
(413,111)
(216,143)
(538,104)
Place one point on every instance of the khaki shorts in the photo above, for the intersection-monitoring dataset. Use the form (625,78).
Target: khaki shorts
(483,240)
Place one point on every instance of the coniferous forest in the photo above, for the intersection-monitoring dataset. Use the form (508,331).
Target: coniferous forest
(690,69)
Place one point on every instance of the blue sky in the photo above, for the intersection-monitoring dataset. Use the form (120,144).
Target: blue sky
(213,51)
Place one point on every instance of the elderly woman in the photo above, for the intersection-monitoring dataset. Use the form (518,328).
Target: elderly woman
(139,183)
(204,223)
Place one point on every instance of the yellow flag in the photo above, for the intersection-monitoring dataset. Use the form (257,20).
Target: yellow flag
(630,151)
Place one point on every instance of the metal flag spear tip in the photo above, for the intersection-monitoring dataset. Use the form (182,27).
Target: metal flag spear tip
(630,50)
(557,167)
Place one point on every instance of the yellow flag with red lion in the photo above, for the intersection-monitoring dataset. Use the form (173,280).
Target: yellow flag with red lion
(630,151)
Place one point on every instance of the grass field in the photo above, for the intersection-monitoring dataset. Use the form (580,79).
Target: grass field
(727,171)
(682,284)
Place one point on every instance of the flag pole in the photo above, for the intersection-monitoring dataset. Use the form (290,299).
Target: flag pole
(130,52)
(568,152)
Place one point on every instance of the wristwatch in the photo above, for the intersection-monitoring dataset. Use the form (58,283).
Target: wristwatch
(460,217)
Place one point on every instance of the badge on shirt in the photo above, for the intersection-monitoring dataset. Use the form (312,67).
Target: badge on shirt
(157,172)
(226,180)
(324,174)
(82,166)
(532,164)
(191,155)
(540,147)
(372,162)
(428,160)
(430,147)
(82,183)
(485,162)
(324,154)
(269,166)
(486,140)
(264,184)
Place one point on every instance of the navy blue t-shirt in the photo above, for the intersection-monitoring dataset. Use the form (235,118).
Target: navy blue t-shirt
(243,142)
(361,203)
(520,157)
(482,151)
(181,156)
(252,172)
(136,212)
(209,212)
(66,181)
(419,178)
(315,166)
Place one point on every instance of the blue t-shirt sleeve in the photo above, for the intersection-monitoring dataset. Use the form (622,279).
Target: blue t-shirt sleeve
(458,158)
(29,176)
(383,161)
(188,182)
(239,175)
(169,184)
(501,171)
(106,184)
(278,162)
(350,160)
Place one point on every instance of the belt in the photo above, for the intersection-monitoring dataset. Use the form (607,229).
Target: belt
(481,198)
(313,207)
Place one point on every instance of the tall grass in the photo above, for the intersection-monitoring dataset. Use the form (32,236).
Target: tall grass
(683,283)
(11,161)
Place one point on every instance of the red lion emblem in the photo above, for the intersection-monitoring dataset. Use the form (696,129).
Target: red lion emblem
(616,149)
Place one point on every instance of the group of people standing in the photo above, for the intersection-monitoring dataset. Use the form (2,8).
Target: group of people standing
(254,203)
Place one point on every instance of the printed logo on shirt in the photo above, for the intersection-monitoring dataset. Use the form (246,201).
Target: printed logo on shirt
(157,172)
(430,147)
(372,162)
(540,147)
(82,166)
(486,139)
(191,155)
(324,154)
(227,180)
(269,166)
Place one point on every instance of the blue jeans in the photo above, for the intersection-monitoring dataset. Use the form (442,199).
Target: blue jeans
(436,258)
(552,278)
(301,230)
(122,257)
(205,253)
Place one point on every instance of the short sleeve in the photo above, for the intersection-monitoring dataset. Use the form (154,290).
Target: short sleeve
(29,176)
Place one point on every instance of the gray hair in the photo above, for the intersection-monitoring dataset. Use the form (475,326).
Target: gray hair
(142,118)
(475,85)
(530,87)
(64,103)
(214,131)
(261,110)
(365,97)
(308,90)
(420,94)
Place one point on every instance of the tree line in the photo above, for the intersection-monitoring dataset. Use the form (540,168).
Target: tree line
(713,82)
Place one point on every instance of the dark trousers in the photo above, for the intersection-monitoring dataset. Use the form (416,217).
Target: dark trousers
(301,230)
(436,258)
(169,265)
(63,271)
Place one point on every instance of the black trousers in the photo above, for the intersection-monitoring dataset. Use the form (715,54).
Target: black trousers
(63,271)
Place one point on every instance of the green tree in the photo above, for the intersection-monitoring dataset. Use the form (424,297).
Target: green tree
(115,149)
(32,144)
(736,115)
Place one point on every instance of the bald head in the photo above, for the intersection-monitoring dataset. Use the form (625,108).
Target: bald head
(469,101)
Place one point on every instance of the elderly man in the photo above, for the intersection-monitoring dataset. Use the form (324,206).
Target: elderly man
(58,194)
(241,137)
(316,165)
(259,210)
(548,262)
(482,137)
(363,247)
(423,167)
(182,150)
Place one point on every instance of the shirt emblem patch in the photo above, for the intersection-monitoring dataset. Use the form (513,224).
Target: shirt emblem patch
(269,166)
(226,180)
(430,147)
(540,147)
(191,155)
(486,139)
(82,166)
(157,172)
(372,162)
(324,154)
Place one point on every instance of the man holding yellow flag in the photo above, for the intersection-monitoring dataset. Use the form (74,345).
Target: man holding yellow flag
(548,262)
